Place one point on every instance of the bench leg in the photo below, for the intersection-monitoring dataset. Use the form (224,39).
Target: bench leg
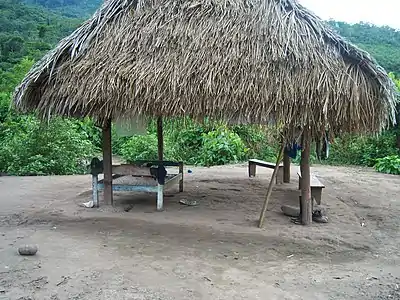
(252,170)
(279,176)
(299,183)
(316,193)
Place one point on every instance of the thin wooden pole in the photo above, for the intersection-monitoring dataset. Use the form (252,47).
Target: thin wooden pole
(306,200)
(271,183)
(160,138)
(107,163)
(286,168)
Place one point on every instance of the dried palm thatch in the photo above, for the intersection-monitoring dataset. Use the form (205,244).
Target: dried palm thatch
(253,60)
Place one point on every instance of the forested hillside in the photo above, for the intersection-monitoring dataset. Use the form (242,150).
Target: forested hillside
(49,20)
(69,8)
(382,42)
(29,31)
(29,28)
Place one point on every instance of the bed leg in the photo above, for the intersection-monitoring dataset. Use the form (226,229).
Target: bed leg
(160,197)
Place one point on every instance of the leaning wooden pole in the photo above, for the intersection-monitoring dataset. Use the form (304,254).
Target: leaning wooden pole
(160,138)
(271,183)
(107,163)
(306,200)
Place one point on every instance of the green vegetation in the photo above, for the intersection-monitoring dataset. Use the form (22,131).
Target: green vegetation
(69,8)
(29,31)
(221,146)
(382,42)
(208,144)
(388,164)
(28,146)
(362,150)
(32,148)
(29,28)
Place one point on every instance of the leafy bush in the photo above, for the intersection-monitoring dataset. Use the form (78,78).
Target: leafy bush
(388,164)
(221,146)
(32,148)
(140,147)
(260,142)
(93,133)
(4,106)
(362,150)
(188,144)
(144,147)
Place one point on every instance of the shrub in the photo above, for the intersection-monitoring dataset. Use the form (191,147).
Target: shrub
(4,106)
(30,147)
(93,133)
(388,164)
(140,147)
(260,141)
(362,150)
(145,147)
(188,144)
(220,147)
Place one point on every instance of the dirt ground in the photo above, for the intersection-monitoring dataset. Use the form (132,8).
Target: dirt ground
(212,251)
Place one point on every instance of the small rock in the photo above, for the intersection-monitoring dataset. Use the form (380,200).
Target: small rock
(28,250)
(290,210)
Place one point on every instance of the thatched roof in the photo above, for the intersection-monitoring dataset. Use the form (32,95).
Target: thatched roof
(250,59)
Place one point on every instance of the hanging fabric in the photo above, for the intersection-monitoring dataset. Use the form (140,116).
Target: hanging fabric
(291,150)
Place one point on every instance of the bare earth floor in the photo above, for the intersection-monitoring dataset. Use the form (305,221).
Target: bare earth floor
(212,251)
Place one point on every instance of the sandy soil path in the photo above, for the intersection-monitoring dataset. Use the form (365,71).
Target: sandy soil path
(212,251)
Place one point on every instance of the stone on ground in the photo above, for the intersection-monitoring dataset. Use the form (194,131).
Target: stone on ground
(28,250)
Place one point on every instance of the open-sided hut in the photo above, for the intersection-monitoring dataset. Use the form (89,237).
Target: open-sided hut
(253,60)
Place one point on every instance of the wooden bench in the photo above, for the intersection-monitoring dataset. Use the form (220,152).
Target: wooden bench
(316,187)
(253,163)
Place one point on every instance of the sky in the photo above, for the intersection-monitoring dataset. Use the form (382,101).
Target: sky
(382,12)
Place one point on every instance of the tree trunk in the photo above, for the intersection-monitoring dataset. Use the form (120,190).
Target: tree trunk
(107,164)
(306,200)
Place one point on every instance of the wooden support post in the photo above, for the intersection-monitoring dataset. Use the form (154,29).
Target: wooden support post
(107,164)
(160,138)
(306,200)
(286,168)
(271,183)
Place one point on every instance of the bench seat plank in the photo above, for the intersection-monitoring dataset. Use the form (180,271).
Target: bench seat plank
(264,163)
(315,182)
(253,163)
